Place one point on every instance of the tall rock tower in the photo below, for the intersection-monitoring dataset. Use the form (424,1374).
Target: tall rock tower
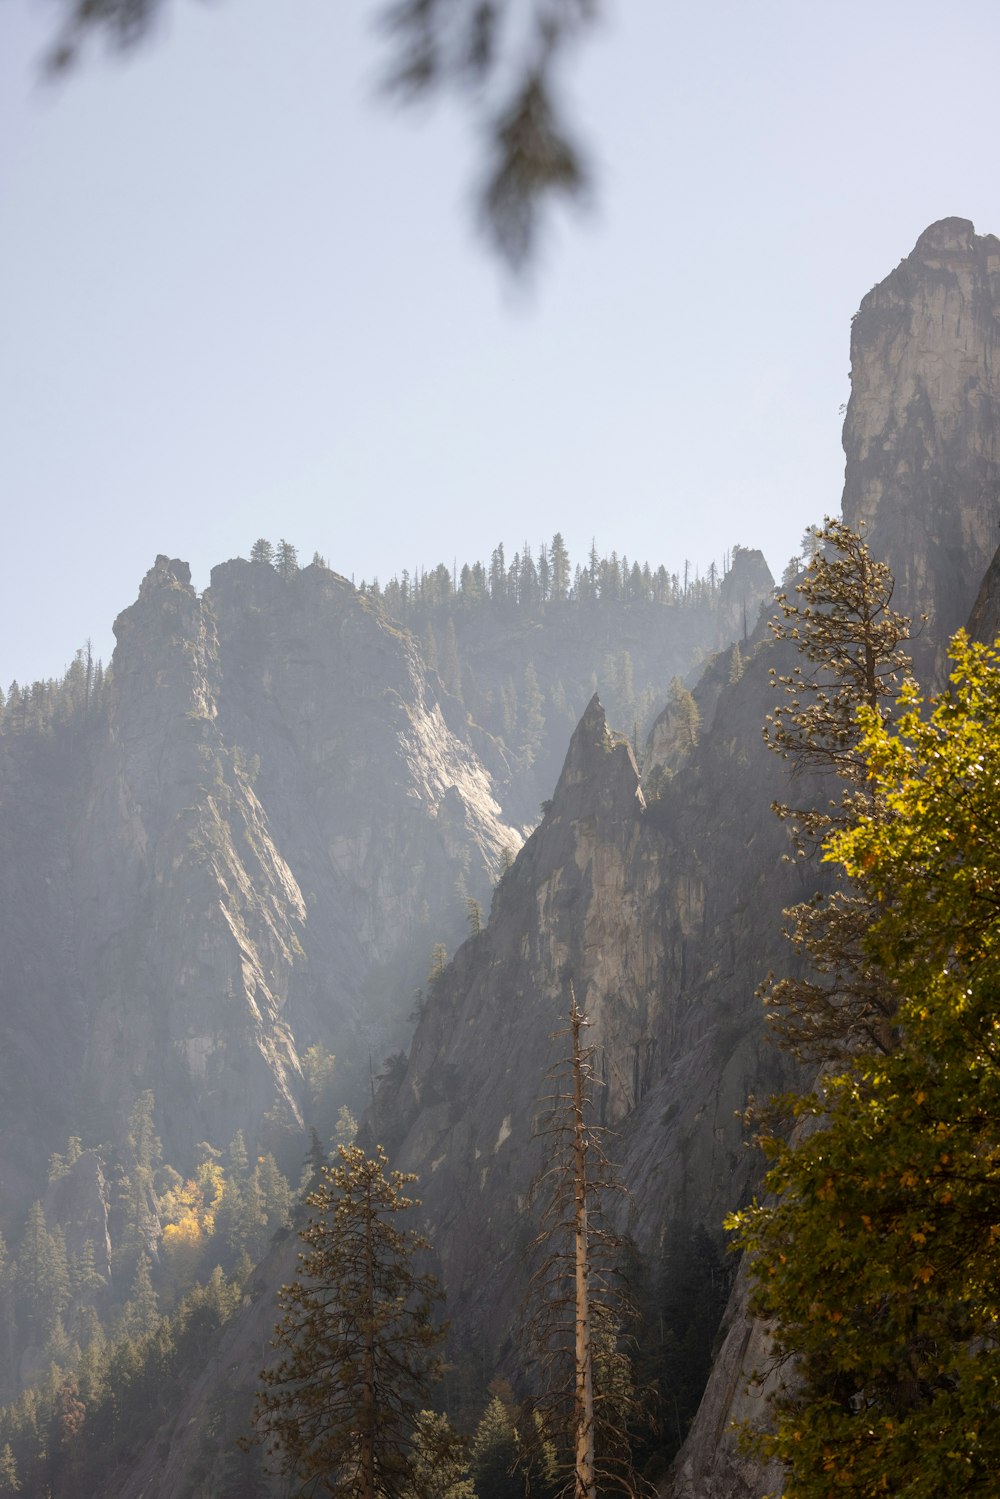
(921,435)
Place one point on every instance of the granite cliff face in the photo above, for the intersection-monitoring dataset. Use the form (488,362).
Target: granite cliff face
(626,900)
(219,868)
(278,811)
(922,445)
(921,435)
(696,880)
(665,955)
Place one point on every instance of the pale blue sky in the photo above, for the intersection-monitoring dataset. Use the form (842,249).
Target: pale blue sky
(240,295)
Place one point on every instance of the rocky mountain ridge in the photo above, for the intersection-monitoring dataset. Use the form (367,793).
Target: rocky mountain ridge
(281,777)
(267,723)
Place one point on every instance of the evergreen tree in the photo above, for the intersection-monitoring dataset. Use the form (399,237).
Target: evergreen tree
(498,576)
(439,1468)
(346,1127)
(356,1339)
(850,643)
(84,1276)
(239,1161)
(262,551)
(286,560)
(558,568)
(493,1456)
(275,1193)
(41,1281)
(140,1314)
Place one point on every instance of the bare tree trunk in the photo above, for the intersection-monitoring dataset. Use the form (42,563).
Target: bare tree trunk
(583,1411)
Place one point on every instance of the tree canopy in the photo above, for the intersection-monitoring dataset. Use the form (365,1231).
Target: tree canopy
(877,1257)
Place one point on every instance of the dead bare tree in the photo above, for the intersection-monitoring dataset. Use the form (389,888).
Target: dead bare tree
(578,1300)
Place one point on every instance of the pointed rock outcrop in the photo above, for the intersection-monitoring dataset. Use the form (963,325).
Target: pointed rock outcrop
(921,434)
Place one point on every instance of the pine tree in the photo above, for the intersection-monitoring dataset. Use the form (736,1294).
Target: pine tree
(286,560)
(439,1467)
(850,643)
(140,1314)
(356,1338)
(494,1450)
(558,569)
(262,551)
(41,1282)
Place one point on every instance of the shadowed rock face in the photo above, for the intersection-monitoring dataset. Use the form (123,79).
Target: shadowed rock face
(658,916)
(921,435)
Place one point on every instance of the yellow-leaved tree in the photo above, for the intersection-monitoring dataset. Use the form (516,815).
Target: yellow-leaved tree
(877,1257)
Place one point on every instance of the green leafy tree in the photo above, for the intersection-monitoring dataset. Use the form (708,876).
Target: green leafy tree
(877,1255)
(357,1340)
(262,551)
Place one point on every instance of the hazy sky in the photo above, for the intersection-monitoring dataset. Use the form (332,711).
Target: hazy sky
(240,295)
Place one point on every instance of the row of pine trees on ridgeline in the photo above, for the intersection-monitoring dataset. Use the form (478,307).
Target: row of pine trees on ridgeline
(520,646)
(523,645)
(529,579)
(70,702)
(547,576)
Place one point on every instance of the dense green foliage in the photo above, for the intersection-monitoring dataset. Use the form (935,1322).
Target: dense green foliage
(877,1258)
